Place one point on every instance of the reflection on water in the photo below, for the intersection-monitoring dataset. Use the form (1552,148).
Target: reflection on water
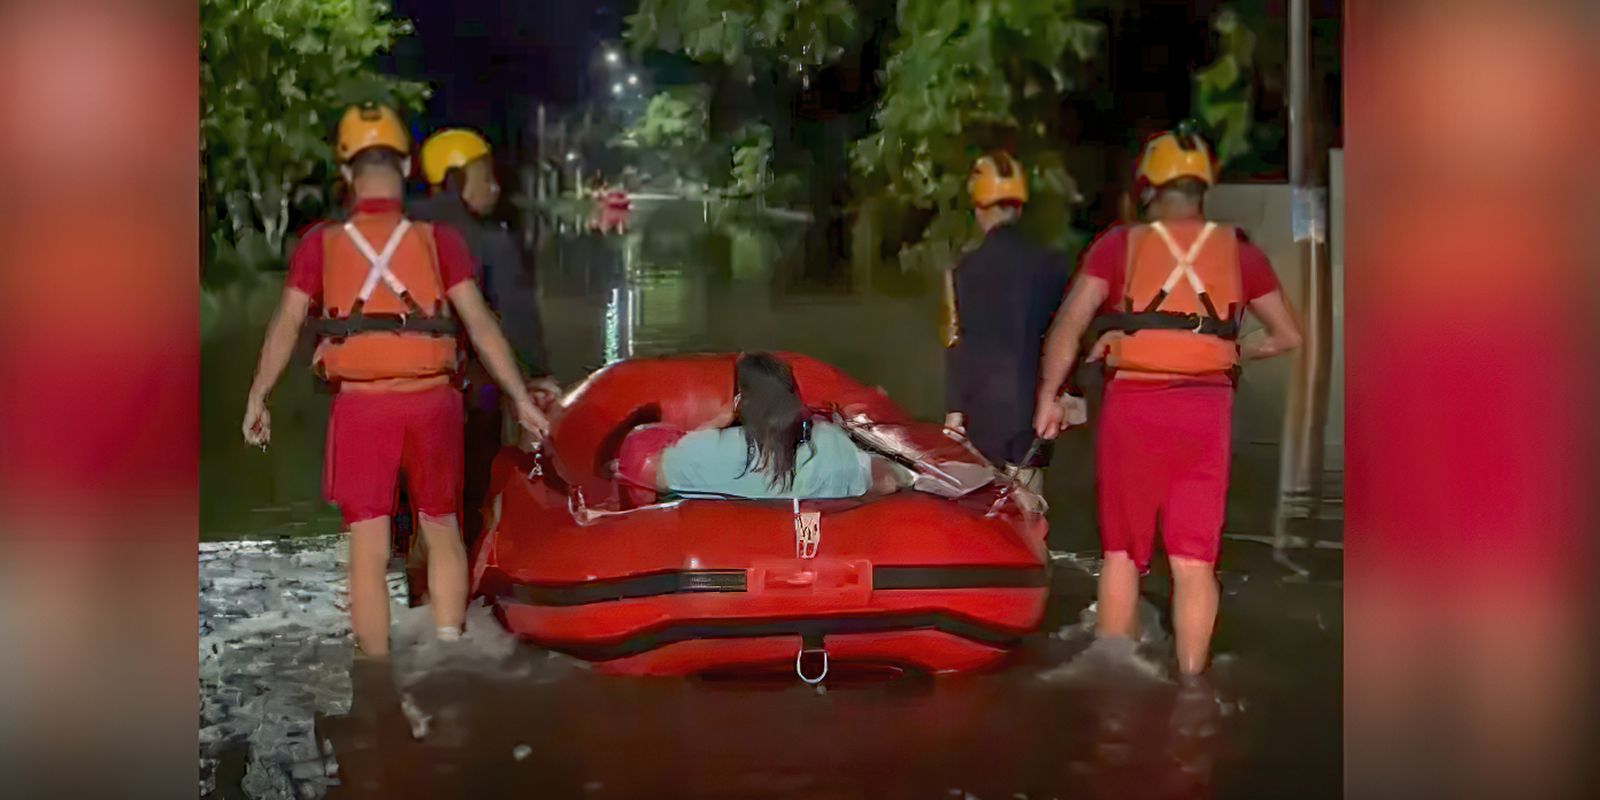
(1059,721)
(286,714)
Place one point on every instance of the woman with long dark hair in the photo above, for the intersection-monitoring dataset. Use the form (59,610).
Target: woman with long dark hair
(775,450)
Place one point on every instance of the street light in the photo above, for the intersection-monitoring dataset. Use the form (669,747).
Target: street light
(633,80)
(616,89)
(571,156)
(612,57)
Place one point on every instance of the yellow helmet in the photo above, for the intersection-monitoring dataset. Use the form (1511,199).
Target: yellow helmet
(997,177)
(1176,154)
(369,125)
(451,149)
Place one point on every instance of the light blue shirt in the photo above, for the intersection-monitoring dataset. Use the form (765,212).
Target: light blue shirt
(712,460)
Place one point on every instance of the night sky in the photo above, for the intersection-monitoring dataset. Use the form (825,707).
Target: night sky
(491,61)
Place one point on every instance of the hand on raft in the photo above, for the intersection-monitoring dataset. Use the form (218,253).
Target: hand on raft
(956,421)
(531,418)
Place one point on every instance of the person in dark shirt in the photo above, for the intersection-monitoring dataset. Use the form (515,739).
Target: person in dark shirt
(1000,300)
(458,166)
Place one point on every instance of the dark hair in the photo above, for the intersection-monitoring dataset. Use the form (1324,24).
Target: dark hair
(773,418)
(378,158)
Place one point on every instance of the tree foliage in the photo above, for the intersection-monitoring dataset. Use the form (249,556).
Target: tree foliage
(966,76)
(752,161)
(671,136)
(776,47)
(796,35)
(274,74)
(1223,99)
(674,118)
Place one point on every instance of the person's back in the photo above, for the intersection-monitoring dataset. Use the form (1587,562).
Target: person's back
(393,293)
(718,461)
(1166,299)
(459,168)
(1004,295)
(775,451)
(1006,291)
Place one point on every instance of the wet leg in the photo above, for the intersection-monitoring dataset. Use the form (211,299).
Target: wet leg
(1117,601)
(369,586)
(1194,611)
(447,570)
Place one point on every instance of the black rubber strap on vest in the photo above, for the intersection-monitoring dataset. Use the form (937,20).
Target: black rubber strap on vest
(1130,322)
(343,327)
(1161,297)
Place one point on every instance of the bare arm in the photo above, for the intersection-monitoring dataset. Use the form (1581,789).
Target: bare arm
(278,346)
(1283,333)
(1061,343)
(484,330)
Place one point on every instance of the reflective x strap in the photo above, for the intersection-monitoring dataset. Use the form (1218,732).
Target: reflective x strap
(379,261)
(1185,267)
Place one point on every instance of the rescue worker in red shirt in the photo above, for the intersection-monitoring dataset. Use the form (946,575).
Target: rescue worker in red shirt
(1166,299)
(392,293)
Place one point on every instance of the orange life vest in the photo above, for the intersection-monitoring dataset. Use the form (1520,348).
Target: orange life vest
(386,321)
(1182,301)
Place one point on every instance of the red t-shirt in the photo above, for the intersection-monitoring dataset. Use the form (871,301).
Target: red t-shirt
(455,266)
(1107,259)
(305,263)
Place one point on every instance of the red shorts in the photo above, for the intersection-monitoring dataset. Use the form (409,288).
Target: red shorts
(373,436)
(1162,450)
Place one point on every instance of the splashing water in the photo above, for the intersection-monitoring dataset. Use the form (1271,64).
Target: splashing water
(1114,659)
(275,651)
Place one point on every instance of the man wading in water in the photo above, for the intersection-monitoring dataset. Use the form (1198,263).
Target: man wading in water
(387,286)
(1170,296)
(460,173)
(998,303)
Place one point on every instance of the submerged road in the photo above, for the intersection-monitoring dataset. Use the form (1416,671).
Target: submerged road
(287,716)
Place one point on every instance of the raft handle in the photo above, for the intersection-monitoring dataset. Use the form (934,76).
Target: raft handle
(800,655)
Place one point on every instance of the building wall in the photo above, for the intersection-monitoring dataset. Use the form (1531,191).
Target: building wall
(1263,211)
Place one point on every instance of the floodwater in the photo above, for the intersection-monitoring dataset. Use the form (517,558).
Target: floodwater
(285,715)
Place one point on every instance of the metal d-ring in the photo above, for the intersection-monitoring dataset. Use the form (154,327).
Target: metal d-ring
(799,670)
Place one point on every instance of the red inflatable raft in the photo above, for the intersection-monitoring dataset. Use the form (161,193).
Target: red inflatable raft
(936,582)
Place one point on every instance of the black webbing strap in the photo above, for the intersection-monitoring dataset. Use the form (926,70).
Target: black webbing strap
(1131,321)
(343,327)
